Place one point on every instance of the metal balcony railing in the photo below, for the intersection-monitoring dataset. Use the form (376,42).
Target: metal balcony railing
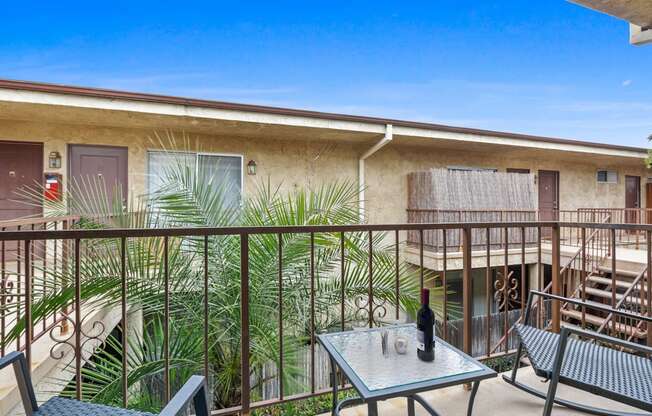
(332,294)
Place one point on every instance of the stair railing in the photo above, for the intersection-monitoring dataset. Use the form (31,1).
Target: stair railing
(638,286)
(594,244)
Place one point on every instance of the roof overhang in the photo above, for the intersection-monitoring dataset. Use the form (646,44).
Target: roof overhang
(637,12)
(77,105)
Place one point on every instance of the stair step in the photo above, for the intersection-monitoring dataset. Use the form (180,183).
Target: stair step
(598,321)
(608,282)
(606,294)
(619,272)
(592,319)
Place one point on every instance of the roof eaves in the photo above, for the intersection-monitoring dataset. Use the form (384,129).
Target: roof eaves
(222,105)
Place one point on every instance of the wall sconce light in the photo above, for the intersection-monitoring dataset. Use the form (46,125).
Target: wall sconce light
(54,160)
(251,167)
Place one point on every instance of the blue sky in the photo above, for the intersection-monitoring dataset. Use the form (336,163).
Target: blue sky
(541,67)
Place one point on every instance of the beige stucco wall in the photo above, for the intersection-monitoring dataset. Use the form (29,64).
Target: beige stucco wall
(387,176)
(313,161)
(286,163)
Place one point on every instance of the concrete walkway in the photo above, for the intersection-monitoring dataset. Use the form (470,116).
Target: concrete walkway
(495,398)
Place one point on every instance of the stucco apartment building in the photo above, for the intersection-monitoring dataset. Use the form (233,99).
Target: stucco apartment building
(73,131)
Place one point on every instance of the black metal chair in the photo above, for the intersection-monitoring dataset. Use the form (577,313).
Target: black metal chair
(586,365)
(194,390)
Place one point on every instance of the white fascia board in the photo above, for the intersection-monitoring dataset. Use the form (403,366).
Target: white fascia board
(638,36)
(178,110)
(505,141)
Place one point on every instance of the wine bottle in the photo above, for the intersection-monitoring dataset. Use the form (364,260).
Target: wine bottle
(425,328)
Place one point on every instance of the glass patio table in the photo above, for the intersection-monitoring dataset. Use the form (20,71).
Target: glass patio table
(376,377)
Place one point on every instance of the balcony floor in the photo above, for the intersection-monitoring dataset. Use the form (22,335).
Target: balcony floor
(495,397)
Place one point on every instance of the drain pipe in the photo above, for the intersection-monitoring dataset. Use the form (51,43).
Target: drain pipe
(361,179)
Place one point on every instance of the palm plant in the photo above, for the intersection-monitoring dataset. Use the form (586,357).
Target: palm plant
(190,200)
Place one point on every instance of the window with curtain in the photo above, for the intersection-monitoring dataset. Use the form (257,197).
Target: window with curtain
(225,169)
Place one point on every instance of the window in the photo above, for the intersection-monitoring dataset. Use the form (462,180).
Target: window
(607,176)
(518,170)
(225,169)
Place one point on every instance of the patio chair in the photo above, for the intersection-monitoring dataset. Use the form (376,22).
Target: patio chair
(194,390)
(589,365)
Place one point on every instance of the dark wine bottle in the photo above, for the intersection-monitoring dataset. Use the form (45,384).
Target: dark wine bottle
(425,328)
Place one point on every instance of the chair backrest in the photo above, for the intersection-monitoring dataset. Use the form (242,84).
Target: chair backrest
(23,380)
(194,390)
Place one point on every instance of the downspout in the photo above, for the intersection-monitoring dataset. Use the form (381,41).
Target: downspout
(361,178)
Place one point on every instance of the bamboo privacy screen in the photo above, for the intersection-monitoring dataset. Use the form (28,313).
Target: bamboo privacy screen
(442,195)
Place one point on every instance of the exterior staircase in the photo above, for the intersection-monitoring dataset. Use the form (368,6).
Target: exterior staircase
(626,289)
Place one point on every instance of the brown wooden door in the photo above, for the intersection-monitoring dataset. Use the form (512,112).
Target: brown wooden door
(21,166)
(632,198)
(548,195)
(648,201)
(104,166)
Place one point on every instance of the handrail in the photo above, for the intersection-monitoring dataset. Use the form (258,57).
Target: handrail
(275,229)
(620,303)
(37,220)
(368,289)
(298,229)
(548,288)
(578,252)
(582,249)
(594,305)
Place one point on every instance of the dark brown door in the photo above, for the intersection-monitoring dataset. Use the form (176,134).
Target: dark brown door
(99,166)
(21,166)
(632,198)
(548,195)
(648,201)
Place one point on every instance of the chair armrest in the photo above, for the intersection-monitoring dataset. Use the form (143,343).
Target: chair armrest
(23,379)
(606,338)
(194,390)
(593,305)
(11,358)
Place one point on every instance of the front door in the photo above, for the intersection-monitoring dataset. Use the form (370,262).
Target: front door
(648,201)
(548,195)
(98,172)
(21,166)
(632,198)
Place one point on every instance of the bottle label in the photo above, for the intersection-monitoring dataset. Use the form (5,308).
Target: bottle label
(421,344)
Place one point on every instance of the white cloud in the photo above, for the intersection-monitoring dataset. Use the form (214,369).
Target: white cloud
(627,82)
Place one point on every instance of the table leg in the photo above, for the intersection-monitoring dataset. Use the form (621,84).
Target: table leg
(410,406)
(334,384)
(372,408)
(474,391)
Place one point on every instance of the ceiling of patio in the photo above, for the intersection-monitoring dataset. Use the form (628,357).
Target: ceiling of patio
(638,12)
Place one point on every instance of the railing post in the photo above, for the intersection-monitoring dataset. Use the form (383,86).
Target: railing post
(244,323)
(29,328)
(556,277)
(467,290)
